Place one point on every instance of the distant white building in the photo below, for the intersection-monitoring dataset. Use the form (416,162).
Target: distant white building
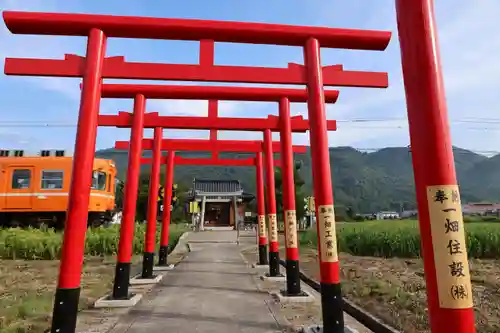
(480,208)
(386,215)
(409,213)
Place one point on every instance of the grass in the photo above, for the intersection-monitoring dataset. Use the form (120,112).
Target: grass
(29,270)
(401,238)
(36,244)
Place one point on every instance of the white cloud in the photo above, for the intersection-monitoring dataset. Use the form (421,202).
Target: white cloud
(194,108)
(29,46)
(178,107)
(468,44)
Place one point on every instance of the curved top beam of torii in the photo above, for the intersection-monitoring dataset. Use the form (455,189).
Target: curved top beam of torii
(116,67)
(189,29)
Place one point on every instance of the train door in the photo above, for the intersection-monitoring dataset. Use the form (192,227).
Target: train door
(19,192)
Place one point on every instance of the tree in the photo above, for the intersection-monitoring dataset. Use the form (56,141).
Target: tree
(299,193)
(178,214)
(179,211)
(119,195)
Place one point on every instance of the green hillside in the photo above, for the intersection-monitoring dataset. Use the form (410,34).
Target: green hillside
(366,182)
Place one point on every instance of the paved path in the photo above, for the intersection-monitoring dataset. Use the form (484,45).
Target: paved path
(209,291)
(212,237)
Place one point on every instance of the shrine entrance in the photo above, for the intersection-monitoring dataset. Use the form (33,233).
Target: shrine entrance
(217,214)
(222,202)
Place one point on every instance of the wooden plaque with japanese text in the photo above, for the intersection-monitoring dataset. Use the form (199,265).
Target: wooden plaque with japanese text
(327,236)
(448,242)
(273,228)
(291,229)
(262,226)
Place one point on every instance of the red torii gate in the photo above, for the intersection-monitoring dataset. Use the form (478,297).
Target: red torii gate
(425,101)
(293,276)
(142,92)
(214,123)
(157,144)
(211,122)
(171,160)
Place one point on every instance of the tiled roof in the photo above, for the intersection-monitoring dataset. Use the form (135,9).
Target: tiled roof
(245,196)
(224,197)
(213,186)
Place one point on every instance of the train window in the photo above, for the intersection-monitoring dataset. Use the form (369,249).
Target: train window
(21,179)
(110,184)
(52,180)
(99,180)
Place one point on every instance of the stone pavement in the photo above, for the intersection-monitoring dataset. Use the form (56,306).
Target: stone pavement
(212,290)
(211,236)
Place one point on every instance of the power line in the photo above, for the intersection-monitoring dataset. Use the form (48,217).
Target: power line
(36,123)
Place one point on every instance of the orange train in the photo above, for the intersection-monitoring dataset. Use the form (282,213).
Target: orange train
(34,191)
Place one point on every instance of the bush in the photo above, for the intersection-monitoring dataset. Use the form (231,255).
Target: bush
(479,218)
(402,239)
(359,218)
(36,244)
(491,219)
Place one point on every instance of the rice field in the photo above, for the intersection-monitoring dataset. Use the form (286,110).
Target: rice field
(401,238)
(37,244)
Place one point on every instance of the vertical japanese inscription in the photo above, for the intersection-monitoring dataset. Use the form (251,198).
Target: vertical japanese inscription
(327,236)
(262,226)
(291,228)
(273,228)
(448,242)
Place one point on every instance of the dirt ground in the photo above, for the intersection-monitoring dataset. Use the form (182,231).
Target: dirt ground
(394,289)
(296,315)
(27,290)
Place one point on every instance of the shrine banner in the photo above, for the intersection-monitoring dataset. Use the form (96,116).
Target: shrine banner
(262,226)
(273,228)
(327,236)
(291,229)
(448,242)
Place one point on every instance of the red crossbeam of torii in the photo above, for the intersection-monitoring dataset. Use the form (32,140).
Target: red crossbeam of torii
(250,94)
(117,68)
(179,160)
(153,119)
(237,162)
(209,145)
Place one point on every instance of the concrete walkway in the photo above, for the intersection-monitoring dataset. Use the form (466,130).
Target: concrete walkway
(211,290)
(210,236)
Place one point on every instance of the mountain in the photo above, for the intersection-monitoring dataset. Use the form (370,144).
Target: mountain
(365,182)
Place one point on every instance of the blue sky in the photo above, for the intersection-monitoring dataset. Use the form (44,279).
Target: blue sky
(469,49)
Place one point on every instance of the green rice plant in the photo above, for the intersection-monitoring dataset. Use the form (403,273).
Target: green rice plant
(38,244)
(402,239)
